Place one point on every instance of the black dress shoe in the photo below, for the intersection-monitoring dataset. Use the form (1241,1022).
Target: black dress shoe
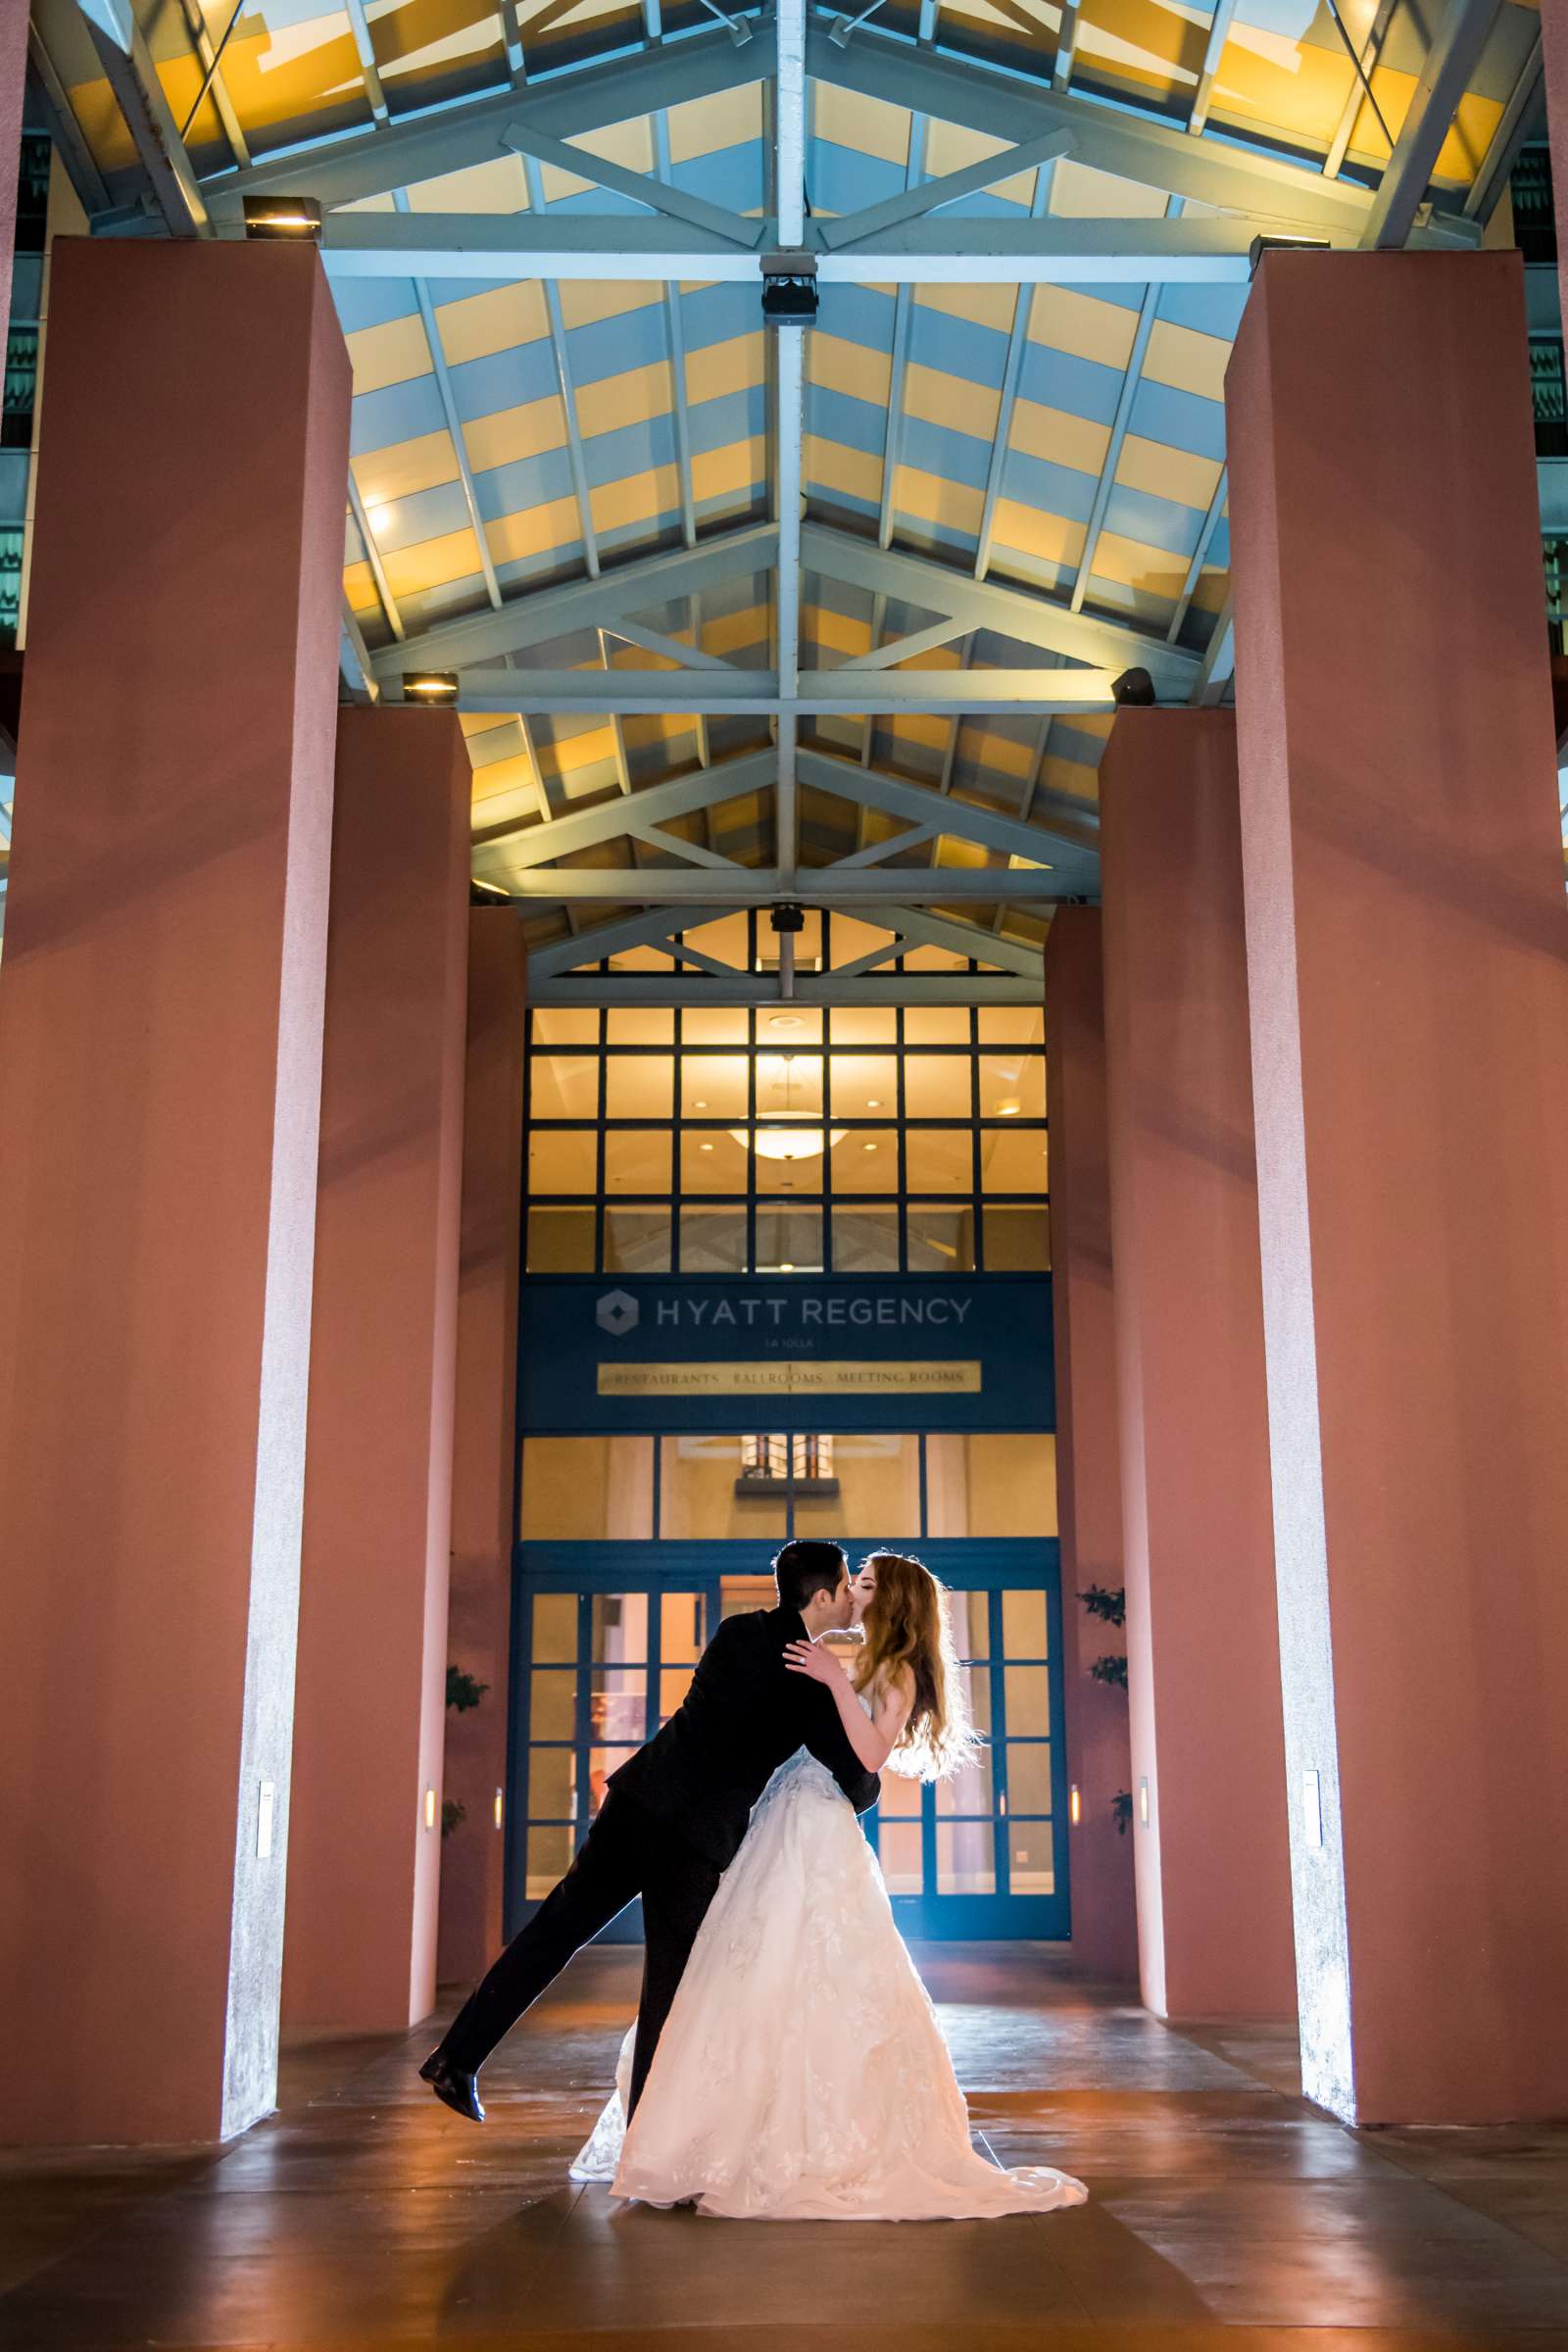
(451,2085)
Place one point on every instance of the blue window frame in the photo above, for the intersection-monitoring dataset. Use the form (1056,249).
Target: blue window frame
(984,1857)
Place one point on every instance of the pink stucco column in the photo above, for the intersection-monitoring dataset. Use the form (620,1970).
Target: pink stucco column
(364,1834)
(1554,66)
(1208,1756)
(484,1476)
(160,1062)
(13,81)
(1104,1931)
(1407,950)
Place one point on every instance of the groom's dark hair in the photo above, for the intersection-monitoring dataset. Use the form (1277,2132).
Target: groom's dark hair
(807,1567)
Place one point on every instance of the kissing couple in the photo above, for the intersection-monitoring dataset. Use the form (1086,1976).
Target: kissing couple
(786,2062)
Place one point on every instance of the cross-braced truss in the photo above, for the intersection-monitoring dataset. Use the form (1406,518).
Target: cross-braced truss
(826,613)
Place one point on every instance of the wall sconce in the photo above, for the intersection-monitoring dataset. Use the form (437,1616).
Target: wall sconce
(1142,1802)
(429,1808)
(500,1808)
(294,219)
(1075,1806)
(429,685)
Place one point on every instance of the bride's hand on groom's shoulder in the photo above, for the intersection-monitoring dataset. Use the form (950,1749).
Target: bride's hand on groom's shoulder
(809,1657)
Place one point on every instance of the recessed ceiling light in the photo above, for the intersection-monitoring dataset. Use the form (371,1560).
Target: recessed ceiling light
(699,1107)
(704,1147)
(868,1146)
(783,1020)
(873,1102)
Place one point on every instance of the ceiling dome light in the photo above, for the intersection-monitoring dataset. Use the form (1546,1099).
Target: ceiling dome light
(787,1143)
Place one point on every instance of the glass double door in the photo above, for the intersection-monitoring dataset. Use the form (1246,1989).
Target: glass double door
(604,1638)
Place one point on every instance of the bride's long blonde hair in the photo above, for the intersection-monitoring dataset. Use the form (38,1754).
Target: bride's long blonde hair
(908,1633)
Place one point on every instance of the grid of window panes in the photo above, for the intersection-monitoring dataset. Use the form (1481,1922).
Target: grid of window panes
(606,1668)
(717,1140)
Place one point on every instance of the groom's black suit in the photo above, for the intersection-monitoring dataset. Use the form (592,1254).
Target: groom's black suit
(670,1825)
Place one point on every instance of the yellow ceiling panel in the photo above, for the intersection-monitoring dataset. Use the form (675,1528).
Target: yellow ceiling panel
(1078,191)
(526,431)
(865,126)
(961,406)
(1151,571)
(1082,324)
(1060,438)
(849,368)
(431,564)
(1167,472)
(406,468)
(931,498)
(391,354)
(585,301)
(1187,360)
(833,466)
(358,586)
(497,187)
(950,147)
(737,366)
(534,531)
(724,472)
(640,498)
(1049,538)
(629,144)
(478,325)
(975,304)
(708,125)
(629,399)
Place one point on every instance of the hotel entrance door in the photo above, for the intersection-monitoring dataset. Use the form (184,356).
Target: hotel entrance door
(605,1644)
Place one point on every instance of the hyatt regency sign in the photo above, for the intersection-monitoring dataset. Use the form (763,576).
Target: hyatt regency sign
(798,1353)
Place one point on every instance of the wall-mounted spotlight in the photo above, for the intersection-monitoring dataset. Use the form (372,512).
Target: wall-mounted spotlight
(429,686)
(1134,687)
(487,894)
(296,220)
(1262,245)
(789,287)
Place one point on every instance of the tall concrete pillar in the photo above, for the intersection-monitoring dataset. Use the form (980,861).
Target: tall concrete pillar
(1207,1754)
(1407,954)
(485,1439)
(364,1839)
(160,1063)
(1105,1928)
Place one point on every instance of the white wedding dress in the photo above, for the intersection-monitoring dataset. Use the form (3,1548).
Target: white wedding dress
(802,2073)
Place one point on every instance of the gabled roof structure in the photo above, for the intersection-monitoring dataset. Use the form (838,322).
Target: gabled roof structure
(745,612)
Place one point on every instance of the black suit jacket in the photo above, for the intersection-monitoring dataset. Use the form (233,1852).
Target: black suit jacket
(744,1714)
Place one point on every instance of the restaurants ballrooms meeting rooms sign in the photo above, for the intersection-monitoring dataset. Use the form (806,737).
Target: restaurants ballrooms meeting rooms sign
(788,1353)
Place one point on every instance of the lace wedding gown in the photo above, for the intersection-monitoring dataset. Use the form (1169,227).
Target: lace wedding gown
(802,2073)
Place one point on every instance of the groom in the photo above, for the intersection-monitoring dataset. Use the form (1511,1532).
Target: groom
(673,1818)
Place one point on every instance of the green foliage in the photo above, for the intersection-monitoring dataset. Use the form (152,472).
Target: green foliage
(463,1691)
(1121,1806)
(1102,1602)
(1111,1670)
(451,1814)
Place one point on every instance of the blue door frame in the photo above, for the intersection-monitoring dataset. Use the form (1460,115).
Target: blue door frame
(977,1565)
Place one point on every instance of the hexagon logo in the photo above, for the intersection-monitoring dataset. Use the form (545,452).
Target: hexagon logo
(616,1314)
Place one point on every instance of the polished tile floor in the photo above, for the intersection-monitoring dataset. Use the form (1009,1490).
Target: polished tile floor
(1224,2216)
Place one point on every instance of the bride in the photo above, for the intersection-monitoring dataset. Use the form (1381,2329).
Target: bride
(802,2073)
